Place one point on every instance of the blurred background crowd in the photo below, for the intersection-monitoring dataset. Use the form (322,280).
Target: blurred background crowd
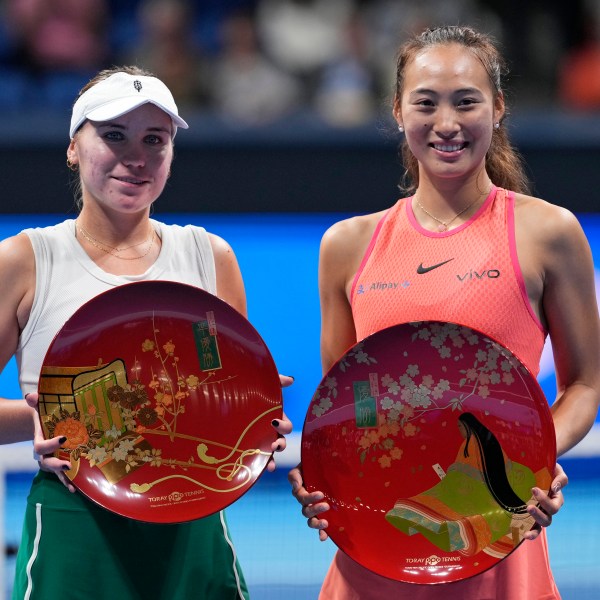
(254,62)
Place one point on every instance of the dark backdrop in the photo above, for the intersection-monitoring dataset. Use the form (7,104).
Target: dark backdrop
(298,166)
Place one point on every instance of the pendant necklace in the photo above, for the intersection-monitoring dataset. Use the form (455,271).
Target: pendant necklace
(114,250)
(444,225)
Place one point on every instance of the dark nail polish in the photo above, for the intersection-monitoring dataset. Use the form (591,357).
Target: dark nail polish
(66,467)
(62,439)
(275,423)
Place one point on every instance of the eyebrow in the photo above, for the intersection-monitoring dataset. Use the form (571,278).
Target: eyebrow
(469,90)
(113,125)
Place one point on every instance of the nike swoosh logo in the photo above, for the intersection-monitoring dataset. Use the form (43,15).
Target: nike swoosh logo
(421,269)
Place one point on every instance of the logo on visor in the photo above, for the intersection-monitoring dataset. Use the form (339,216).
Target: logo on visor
(137,84)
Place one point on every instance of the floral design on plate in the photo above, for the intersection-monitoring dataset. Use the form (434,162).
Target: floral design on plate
(180,414)
(393,436)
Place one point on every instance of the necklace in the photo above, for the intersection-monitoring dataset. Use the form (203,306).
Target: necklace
(114,250)
(443,225)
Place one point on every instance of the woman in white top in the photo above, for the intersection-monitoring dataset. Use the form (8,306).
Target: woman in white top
(122,130)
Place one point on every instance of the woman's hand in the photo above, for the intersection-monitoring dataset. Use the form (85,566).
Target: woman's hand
(311,502)
(282,426)
(44,449)
(549,504)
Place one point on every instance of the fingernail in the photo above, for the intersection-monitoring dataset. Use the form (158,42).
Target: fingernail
(277,448)
(536,492)
(291,377)
(62,439)
(66,467)
(557,488)
(275,423)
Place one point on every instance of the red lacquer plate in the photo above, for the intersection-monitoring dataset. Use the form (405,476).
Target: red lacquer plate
(166,395)
(426,439)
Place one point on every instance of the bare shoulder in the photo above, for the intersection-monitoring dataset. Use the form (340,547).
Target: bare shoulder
(223,253)
(16,256)
(230,285)
(225,260)
(351,236)
(550,224)
(17,277)
(343,247)
(219,245)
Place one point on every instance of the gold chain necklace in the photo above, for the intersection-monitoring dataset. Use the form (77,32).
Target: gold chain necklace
(114,250)
(443,225)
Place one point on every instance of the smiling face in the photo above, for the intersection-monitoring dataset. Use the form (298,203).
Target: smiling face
(124,163)
(448,110)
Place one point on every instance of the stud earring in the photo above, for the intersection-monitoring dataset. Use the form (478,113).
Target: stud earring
(71,166)
(496,125)
(400,128)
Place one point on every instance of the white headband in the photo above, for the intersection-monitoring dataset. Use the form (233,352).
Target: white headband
(119,94)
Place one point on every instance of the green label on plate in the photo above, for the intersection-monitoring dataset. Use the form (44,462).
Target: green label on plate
(205,334)
(365,406)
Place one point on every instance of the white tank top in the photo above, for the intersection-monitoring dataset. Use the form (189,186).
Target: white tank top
(66,278)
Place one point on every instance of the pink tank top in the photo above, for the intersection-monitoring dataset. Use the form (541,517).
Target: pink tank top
(469,275)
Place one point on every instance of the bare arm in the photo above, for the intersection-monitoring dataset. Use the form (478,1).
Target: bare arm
(230,287)
(557,265)
(342,249)
(337,324)
(17,286)
(18,418)
(571,311)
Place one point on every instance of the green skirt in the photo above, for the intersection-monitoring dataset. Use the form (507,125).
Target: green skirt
(73,549)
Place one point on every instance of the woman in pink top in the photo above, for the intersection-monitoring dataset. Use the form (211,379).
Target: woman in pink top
(533,276)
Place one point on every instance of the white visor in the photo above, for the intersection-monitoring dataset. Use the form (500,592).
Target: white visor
(119,94)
